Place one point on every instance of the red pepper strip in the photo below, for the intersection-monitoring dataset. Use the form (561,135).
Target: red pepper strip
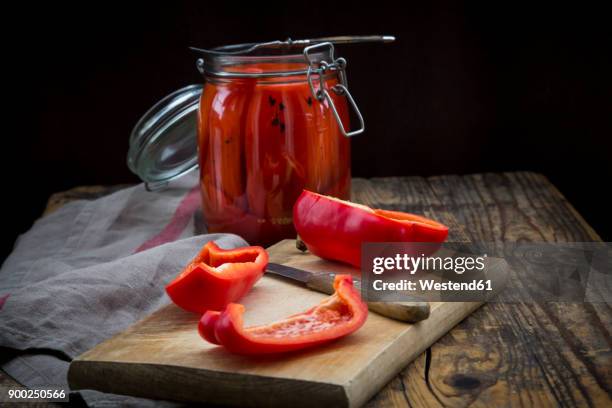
(335,229)
(336,316)
(217,277)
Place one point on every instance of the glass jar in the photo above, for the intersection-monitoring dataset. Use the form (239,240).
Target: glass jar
(269,126)
(271,120)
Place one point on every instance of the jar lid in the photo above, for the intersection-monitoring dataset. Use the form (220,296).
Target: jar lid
(164,143)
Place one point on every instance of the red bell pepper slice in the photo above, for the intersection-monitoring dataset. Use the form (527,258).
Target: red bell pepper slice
(335,229)
(336,316)
(217,277)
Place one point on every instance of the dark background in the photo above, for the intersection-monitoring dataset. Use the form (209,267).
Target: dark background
(468,87)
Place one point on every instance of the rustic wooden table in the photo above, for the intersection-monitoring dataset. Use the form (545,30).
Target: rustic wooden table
(555,354)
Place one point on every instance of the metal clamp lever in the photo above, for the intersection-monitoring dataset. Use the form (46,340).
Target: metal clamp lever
(338,65)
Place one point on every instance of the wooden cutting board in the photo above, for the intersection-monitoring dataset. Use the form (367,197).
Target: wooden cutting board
(163,356)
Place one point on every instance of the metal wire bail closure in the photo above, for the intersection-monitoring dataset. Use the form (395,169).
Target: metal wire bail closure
(338,65)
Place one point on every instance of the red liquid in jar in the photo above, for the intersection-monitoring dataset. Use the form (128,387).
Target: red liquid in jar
(261,142)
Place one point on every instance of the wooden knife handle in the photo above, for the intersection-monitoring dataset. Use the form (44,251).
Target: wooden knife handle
(410,312)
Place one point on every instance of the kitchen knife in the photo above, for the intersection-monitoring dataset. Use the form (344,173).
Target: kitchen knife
(323,282)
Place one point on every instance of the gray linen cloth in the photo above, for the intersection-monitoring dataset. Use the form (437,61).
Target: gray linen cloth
(88,271)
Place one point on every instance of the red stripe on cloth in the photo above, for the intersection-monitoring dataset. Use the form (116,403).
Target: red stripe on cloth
(182,215)
(3,300)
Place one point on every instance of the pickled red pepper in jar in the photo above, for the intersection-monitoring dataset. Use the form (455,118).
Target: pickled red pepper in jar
(263,137)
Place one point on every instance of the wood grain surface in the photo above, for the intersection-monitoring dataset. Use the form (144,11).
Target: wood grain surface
(555,354)
(502,355)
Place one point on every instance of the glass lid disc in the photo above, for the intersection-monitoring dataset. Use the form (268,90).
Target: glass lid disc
(164,143)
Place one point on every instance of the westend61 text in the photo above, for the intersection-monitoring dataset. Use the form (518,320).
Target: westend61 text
(431,285)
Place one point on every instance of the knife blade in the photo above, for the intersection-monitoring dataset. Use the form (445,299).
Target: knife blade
(323,282)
